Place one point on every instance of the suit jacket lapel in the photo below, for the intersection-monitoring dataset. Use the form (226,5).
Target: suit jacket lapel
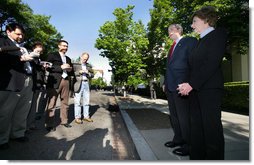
(59,57)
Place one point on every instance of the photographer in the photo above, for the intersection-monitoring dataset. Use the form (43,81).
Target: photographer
(39,87)
(15,86)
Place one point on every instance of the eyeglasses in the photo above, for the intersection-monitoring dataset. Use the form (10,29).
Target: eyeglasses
(18,34)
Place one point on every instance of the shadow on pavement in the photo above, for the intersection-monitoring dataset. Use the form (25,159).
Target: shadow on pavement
(43,147)
(146,119)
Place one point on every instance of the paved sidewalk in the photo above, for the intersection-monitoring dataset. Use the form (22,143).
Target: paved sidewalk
(107,138)
(150,129)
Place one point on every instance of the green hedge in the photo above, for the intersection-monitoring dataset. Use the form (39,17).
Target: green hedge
(236,97)
(235,100)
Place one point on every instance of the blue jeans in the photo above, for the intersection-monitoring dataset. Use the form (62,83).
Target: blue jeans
(83,94)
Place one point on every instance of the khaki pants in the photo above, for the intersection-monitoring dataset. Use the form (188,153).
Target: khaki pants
(63,90)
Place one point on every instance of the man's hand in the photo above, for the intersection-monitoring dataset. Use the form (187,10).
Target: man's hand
(26,57)
(83,71)
(66,67)
(184,89)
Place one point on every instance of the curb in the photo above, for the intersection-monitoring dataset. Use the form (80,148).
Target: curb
(142,147)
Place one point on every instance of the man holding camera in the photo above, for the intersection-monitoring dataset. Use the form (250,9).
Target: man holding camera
(15,86)
(58,84)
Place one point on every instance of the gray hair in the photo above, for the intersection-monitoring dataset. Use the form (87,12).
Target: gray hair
(177,26)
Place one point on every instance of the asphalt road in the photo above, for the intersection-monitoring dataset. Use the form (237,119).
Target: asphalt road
(106,138)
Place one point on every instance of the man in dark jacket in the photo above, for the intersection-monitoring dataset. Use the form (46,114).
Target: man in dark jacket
(15,86)
(177,72)
(59,83)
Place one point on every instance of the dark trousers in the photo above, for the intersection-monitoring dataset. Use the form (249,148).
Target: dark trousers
(38,107)
(179,115)
(153,94)
(207,140)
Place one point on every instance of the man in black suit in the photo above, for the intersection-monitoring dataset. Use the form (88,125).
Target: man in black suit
(205,87)
(15,86)
(177,72)
(59,83)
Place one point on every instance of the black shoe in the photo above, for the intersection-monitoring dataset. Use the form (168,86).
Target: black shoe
(172,144)
(67,125)
(21,139)
(4,146)
(181,151)
(32,128)
(50,129)
(37,117)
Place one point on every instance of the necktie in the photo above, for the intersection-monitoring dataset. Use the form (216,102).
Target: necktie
(171,49)
(27,65)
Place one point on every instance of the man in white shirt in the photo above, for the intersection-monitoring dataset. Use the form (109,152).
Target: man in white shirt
(58,83)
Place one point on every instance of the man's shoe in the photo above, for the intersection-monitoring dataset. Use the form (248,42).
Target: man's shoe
(4,146)
(33,128)
(50,129)
(181,151)
(172,144)
(66,125)
(88,119)
(78,121)
(21,139)
(37,117)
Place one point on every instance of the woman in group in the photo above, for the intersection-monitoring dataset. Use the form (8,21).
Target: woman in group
(205,87)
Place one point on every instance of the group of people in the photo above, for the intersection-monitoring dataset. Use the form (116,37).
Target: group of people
(193,84)
(194,87)
(27,82)
(63,76)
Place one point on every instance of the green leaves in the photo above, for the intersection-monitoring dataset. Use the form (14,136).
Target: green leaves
(37,27)
(123,41)
(234,16)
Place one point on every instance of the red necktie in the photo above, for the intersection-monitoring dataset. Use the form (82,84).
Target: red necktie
(171,49)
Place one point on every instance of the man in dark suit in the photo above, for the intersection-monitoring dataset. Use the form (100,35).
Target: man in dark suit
(177,72)
(58,83)
(205,87)
(15,86)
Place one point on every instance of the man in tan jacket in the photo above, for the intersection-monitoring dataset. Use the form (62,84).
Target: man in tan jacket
(83,73)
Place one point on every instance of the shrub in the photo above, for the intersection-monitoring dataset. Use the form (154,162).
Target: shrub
(236,97)
(235,100)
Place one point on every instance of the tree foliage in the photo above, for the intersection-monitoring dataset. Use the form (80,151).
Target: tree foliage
(234,16)
(98,82)
(123,41)
(37,26)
